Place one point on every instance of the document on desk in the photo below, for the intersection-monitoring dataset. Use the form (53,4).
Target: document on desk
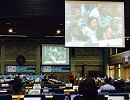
(32,98)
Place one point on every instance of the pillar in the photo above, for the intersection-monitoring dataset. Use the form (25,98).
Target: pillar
(38,61)
(2,59)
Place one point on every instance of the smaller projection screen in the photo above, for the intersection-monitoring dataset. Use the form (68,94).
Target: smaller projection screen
(55,54)
(94,24)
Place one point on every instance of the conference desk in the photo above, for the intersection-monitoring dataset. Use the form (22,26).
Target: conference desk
(21,97)
(17,97)
(67,91)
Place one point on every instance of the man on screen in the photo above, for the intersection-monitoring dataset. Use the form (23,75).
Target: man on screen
(115,31)
(77,35)
(80,20)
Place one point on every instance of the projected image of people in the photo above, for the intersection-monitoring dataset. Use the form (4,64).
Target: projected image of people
(54,55)
(89,24)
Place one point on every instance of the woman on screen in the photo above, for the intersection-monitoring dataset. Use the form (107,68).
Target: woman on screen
(78,18)
(105,21)
(115,31)
(90,30)
(76,34)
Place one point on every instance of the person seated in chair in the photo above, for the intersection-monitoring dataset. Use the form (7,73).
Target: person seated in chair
(87,89)
(107,87)
(18,86)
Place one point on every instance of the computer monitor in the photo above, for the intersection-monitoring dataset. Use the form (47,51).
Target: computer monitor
(32,98)
(34,91)
(116,98)
(45,90)
(75,88)
(69,85)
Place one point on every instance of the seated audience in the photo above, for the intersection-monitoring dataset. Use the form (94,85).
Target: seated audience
(107,86)
(88,90)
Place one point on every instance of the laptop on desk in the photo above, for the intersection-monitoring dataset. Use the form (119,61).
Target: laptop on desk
(34,91)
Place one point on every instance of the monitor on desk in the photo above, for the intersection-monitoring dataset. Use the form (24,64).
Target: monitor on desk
(116,98)
(69,86)
(32,98)
(34,91)
(75,88)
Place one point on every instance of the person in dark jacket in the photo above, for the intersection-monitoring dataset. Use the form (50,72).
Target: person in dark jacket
(88,90)
(18,86)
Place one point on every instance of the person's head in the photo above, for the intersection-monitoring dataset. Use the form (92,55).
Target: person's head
(114,24)
(107,81)
(103,11)
(77,12)
(98,6)
(92,22)
(74,29)
(88,88)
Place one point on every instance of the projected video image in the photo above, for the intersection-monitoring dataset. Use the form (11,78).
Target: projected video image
(55,54)
(94,24)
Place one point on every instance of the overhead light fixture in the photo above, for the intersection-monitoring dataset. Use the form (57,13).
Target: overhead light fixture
(10,30)
(58,31)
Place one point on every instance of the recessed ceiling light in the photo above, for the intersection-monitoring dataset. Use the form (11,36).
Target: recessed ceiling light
(10,30)
(58,31)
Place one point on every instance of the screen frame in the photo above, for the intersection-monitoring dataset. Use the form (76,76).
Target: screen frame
(122,45)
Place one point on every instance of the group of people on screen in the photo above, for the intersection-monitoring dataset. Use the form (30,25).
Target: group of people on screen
(54,55)
(98,23)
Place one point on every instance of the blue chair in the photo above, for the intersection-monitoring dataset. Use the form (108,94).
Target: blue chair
(100,96)
(109,91)
(6,97)
(40,95)
(60,96)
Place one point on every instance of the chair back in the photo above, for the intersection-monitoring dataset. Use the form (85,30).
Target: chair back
(57,90)
(61,97)
(100,97)
(109,91)
(6,97)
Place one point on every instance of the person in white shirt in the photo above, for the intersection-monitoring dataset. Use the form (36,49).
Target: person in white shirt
(95,11)
(107,86)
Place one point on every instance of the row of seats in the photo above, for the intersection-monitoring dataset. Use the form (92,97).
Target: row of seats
(63,96)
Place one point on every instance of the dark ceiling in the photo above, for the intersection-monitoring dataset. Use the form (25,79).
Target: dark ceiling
(32,17)
(39,18)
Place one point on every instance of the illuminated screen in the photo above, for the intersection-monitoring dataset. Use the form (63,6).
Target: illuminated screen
(54,54)
(94,24)
(68,85)
(32,98)
(116,98)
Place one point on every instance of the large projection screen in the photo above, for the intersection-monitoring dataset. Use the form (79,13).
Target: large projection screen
(94,24)
(55,54)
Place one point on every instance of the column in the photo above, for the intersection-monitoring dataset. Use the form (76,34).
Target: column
(72,67)
(105,61)
(2,59)
(38,68)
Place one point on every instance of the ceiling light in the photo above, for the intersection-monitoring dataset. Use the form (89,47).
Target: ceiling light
(10,30)
(58,31)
